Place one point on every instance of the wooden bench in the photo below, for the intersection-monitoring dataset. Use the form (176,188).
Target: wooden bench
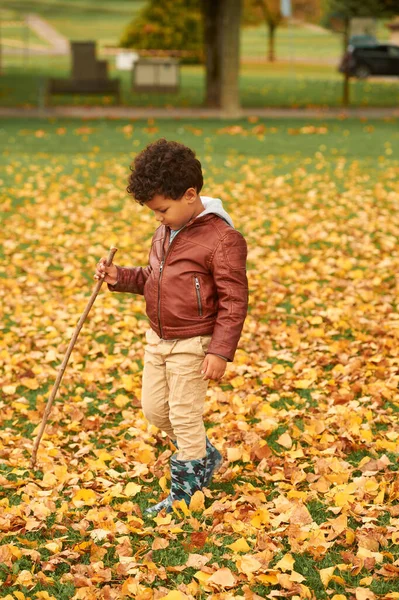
(105,87)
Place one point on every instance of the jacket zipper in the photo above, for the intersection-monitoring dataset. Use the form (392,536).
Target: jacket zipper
(159,295)
(161,266)
(198,290)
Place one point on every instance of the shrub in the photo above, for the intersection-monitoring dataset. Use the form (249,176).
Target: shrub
(165,27)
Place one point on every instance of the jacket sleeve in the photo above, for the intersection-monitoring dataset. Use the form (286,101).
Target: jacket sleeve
(131,279)
(229,274)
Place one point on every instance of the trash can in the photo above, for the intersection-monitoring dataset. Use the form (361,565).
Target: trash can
(156,75)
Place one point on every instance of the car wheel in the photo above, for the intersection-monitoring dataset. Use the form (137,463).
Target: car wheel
(362,72)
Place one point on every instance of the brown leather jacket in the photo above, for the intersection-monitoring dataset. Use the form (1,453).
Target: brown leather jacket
(195,286)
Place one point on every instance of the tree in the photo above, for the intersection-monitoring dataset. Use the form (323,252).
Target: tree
(222,53)
(270,12)
(209,27)
(346,10)
(165,25)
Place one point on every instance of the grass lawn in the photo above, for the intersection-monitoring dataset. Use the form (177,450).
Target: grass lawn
(278,85)
(104,21)
(306,503)
(294,82)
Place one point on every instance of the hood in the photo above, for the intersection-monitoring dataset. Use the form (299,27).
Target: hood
(215,206)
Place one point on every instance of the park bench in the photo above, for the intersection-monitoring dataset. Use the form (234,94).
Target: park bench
(57,86)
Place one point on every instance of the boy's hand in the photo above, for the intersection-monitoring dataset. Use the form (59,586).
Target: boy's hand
(108,274)
(213,367)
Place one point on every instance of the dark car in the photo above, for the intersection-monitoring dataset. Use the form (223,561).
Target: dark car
(378,59)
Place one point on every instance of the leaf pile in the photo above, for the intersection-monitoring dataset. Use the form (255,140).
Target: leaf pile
(306,504)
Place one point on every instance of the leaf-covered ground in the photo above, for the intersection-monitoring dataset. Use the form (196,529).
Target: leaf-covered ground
(306,503)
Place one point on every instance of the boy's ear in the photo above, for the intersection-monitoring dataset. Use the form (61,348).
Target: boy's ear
(190,194)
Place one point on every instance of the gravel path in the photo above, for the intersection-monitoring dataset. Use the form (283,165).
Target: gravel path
(59,44)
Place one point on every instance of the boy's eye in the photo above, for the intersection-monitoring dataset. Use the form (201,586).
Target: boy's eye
(163,211)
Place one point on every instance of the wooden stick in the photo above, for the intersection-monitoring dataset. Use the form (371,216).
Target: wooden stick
(66,358)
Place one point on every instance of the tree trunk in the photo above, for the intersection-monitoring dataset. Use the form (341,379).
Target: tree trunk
(230,57)
(211,10)
(222,48)
(346,88)
(272,31)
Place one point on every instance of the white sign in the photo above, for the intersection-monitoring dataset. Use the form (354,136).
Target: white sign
(286,8)
(125,60)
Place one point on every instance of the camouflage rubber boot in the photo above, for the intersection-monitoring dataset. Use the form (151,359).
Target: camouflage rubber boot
(213,462)
(187,478)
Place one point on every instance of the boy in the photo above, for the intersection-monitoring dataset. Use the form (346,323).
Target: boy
(196,293)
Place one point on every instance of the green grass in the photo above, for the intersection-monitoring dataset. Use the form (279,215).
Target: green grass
(260,86)
(18,35)
(98,20)
(370,142)
(104,21)
(295,82)
(65,180)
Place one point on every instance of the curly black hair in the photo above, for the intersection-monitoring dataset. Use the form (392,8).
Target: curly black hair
(166,168)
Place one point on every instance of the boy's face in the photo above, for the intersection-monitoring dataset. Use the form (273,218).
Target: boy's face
(176,213)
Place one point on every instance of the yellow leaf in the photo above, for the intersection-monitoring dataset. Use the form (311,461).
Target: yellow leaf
(223,577)
(44,596)
(267,579)
(175,595)
(350,536)
(49,480)
(286,563)
(128,382)
(343,498)
(131,489)
(51,355)
(239,545)
(234,454)
(365,553)
(303,384)
(285,440)
(9,389)
(197,502)
(237,381)
(364,594)
(163,483)
(248,564)
(181,505)
(296,577)
(326,574)
(31,384)
(145,456)
(201,576)
(160,544)
(260,517)
(315,320)
(54,547)
(84,497)
(24,578)
(121,400)
(159,520)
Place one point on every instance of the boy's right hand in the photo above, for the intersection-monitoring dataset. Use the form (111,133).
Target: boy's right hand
(108,274)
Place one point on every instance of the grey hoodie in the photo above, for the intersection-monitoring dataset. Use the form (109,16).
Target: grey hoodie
(215,206)
(211,205)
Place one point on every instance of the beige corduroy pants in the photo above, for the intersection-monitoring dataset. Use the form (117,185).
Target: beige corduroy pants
(173,392)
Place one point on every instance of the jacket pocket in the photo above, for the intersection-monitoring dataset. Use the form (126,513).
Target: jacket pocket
(198,294)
